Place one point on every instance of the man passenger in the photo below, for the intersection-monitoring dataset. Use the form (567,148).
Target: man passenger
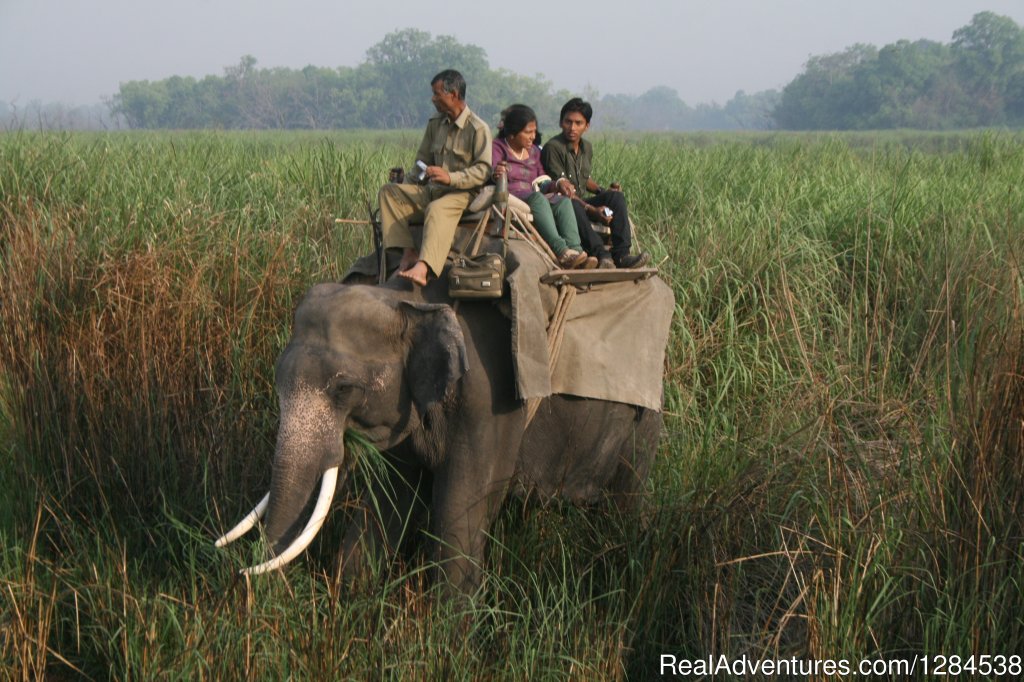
(456,153)
(568,158)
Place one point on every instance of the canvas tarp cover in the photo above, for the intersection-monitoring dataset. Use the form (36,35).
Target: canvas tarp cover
(614,335)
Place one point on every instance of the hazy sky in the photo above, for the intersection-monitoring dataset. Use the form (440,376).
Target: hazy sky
(77,51)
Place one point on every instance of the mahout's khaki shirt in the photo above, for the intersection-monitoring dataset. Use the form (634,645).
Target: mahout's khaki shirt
(462,147)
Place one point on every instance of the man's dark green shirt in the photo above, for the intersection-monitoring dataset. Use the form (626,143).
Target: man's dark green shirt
(560,162)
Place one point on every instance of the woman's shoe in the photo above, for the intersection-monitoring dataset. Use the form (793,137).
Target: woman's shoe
(570,259)
(589,264)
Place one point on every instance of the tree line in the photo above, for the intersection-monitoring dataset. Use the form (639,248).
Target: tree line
(976,80)
(390,89)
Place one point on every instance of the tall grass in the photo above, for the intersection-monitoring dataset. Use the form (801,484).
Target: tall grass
(840,476)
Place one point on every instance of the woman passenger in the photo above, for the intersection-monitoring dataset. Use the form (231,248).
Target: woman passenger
(515,154)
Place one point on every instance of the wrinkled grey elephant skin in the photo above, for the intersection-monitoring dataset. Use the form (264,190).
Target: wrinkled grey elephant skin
(436,392)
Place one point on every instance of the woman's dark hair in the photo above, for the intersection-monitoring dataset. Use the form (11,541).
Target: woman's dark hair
(515,118)
(576,104)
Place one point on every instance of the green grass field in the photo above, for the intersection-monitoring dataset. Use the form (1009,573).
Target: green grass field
(841,475)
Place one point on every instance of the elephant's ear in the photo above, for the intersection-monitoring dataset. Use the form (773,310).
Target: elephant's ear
(437,352)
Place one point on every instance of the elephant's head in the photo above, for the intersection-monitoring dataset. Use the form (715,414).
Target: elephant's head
(361,358)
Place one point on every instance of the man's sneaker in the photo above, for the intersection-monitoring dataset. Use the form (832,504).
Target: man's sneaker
(605,262)
(635,261)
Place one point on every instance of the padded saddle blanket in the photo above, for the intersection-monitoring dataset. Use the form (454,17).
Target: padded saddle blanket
(614,335)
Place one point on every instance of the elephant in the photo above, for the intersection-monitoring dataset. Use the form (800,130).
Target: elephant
(434,391)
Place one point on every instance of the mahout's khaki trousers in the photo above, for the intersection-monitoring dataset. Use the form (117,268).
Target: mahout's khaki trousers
(440,210)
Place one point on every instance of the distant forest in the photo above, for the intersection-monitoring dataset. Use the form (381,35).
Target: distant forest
(977,80)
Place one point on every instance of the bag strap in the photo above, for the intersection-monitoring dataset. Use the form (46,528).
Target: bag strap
(506,220)
(478,234)
(476,239)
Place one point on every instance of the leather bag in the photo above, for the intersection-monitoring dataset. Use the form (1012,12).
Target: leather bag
(476,276)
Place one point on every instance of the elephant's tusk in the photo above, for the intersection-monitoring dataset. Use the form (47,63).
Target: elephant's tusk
(316,520)
(245,524)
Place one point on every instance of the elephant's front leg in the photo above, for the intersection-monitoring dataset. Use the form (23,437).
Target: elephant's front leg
(483,431)
(466,499)
(389,514)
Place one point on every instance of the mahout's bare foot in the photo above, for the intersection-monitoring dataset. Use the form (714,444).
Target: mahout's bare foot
(417,273)
(409,258)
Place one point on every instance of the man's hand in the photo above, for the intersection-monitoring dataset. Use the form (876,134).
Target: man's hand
(564,186)
(438,175)
(598,215)
(615,186)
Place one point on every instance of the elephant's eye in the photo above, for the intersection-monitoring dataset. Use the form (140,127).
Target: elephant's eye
(345,391)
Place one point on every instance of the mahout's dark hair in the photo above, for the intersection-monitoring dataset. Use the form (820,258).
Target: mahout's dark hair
(451,81)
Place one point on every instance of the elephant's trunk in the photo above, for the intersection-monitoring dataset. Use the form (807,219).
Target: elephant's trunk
(285,553)
(292,485)
(316,520)
(305,447)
